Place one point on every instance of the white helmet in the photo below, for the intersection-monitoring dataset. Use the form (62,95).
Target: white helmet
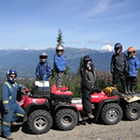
(43,57)
(59,49)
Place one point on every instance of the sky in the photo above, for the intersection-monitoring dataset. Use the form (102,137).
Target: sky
(34,24)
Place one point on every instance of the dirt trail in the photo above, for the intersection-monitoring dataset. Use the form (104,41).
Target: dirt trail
(125,130)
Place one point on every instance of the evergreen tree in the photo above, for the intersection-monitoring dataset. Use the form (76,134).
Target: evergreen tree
(59,38)
(80,65)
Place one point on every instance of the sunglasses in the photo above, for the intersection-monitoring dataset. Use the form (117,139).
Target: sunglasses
(12,76)
(133,52)
(43,57)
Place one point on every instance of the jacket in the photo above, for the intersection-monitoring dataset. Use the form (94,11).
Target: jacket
(9,94)
(119,63)
(133,66)
(43,71)
(88,82)
(59,63)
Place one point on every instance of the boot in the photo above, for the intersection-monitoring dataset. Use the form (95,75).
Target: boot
(133,89)
(129,91)
(90,115)
(125,90)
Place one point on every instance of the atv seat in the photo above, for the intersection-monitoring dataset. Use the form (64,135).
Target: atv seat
(60,95)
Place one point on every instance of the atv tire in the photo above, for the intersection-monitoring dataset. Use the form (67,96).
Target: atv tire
(111,114)
(66,119)
(40,121)
(132,111)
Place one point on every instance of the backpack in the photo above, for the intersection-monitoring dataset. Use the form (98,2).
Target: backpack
(111,91)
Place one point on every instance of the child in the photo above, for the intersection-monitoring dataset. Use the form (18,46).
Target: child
(88,75)
(133,66)
(118,67)
(43,70)
(59,64)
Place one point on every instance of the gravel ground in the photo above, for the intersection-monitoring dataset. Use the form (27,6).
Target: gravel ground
(124,130)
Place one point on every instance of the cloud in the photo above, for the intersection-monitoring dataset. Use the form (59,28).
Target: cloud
(99,7)
(74,41)
(130,28)
(92,41)
(108,43)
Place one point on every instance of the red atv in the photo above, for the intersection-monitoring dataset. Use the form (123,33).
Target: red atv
(42,107)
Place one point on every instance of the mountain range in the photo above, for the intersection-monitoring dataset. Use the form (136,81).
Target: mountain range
(25,61)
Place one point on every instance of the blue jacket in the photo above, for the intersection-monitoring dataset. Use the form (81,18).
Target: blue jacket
(9,94)
(43,71)
(59,63)
(133,66)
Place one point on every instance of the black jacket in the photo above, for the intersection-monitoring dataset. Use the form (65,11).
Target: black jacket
(118,63)
(88,82)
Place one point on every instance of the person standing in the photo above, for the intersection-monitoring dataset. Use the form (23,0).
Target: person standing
(118,67)
(43,69)
(133,66)
(12,111)
(59,64)
(88,76)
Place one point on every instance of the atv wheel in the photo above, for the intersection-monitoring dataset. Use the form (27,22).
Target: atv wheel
(66,119)
(132,111)
(111,113)
(40,121)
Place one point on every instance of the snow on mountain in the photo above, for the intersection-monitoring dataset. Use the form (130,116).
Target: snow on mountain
(107,48)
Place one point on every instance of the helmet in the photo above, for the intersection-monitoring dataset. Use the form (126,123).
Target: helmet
(131,51)
(59,48)
(86,59)
(43,57)
(11,79)
(118,48)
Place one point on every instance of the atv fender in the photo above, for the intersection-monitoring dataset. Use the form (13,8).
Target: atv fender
(61,106)
(68,106)
(132,98)
(34,106)
(114,100)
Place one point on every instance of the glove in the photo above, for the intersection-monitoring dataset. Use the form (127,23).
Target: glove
(6,111)
(23,91)
(112,71)
(50,77)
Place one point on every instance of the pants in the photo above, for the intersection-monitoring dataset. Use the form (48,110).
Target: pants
(131,81)
(15,113)
(59,78)
(86,101)
(121,76)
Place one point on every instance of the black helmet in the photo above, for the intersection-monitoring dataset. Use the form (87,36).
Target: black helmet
(118,46)
(43,57)
(86,59)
